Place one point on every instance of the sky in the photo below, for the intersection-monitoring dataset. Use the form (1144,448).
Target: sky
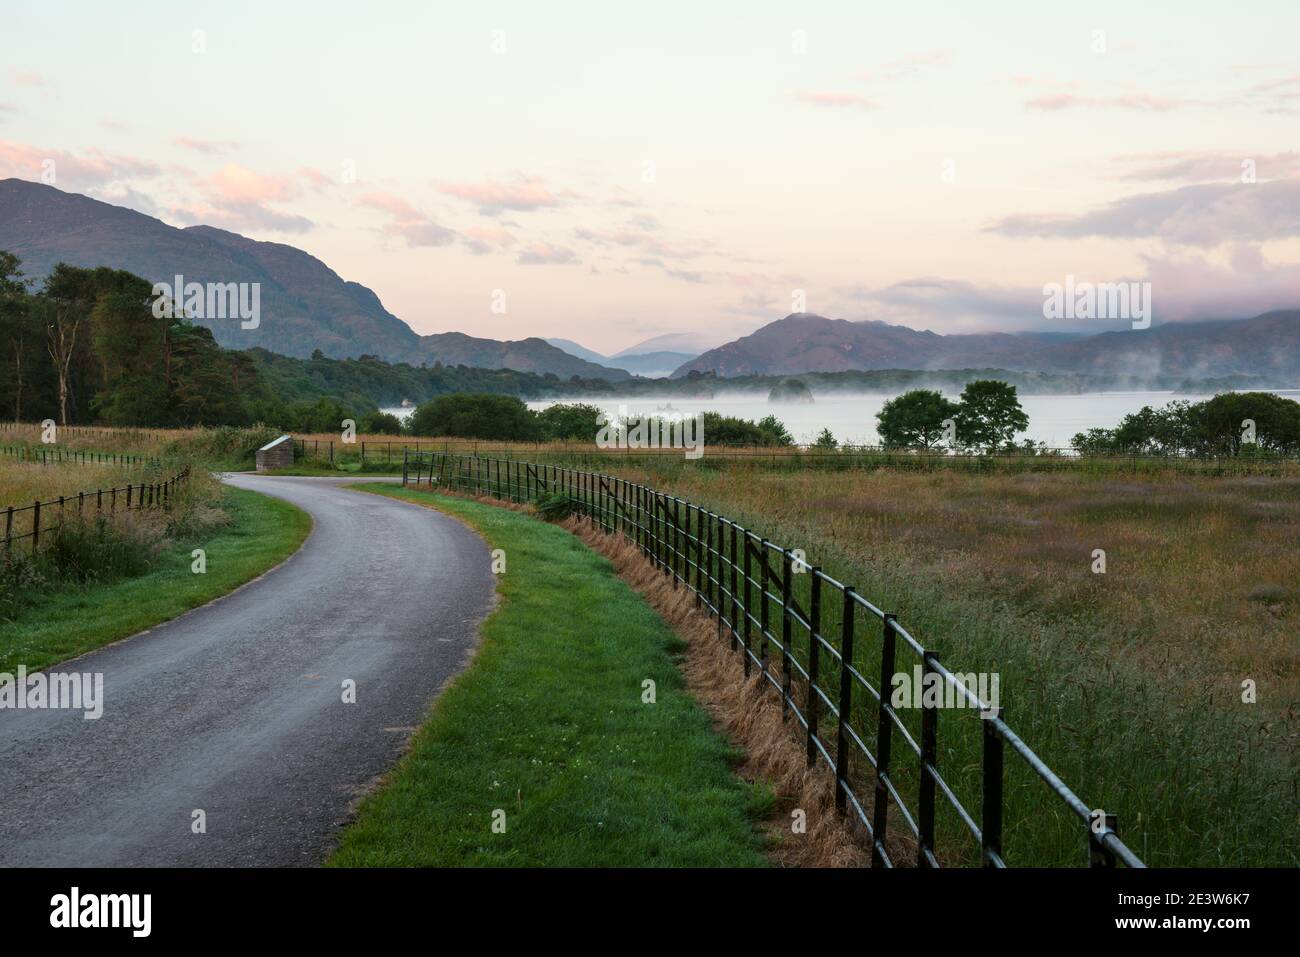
(611,172)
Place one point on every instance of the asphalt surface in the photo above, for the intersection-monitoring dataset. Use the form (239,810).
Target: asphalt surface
(236,708)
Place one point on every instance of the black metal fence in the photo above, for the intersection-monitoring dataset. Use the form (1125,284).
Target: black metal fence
(819,644)
(28,523)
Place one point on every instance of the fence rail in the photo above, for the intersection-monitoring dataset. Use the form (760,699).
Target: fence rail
(830,642)
(28,522)
(388,452)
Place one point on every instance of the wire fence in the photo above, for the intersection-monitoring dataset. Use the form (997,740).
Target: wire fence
(829,653)
(44,455)
(28,523)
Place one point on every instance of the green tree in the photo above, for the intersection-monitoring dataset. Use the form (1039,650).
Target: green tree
(774,431)
(1221,423)
(21,337)
(574,421)
(477,416)
(826,441)
(914,419)
(381,423)
(989,414)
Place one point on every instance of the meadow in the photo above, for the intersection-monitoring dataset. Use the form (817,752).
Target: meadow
(1131,682)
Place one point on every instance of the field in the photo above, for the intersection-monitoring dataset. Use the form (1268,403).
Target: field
(1129,682)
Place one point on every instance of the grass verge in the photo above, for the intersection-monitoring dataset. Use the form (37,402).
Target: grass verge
(548,725)
(70,621)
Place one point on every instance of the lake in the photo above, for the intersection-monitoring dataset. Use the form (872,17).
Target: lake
(1053,419)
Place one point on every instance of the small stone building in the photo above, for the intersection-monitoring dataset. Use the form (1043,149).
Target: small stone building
(276,455)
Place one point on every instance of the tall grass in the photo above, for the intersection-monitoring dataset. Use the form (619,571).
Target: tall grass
(1129,683)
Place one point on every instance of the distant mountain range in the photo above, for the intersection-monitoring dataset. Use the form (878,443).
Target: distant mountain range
(305,305)
(656,364)
(1267,345)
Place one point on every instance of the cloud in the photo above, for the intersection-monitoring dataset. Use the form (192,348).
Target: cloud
(959,305)
(835,99)
(492,197)
(209,147)
(71,171)
(408,223)
(236,197)
(536,254)
(1204,166)
(491,236)
(909,66)
(1184,287)
(1198,215)
(1143,102)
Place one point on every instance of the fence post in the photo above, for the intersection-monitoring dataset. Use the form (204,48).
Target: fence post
(929,755)
(749,582)
(845,704)
(1099,855)
(991,820)
(735,599)
(698,541)
(787,563)
(764,612)
(814,654)
(884,742)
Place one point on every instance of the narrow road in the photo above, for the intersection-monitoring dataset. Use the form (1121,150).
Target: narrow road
(236,708)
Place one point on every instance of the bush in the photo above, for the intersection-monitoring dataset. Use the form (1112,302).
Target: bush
(381,423)
(554,506)
(477,416)
(576,421)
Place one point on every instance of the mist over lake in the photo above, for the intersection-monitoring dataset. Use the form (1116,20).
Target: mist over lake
(1053,419)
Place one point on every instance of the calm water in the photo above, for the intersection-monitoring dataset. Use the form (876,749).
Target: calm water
(1053,419)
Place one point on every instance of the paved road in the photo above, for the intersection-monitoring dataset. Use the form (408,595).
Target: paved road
(236,708)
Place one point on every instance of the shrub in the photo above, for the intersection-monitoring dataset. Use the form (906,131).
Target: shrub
(477,416)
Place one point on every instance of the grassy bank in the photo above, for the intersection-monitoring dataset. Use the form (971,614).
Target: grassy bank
(548,726)
(53,624)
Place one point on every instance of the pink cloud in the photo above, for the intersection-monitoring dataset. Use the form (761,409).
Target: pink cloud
(94,168)
(1130,101)
(239,184)
(501,238)
(835,99)
(406,222)
(536,254)
(525,194)
(1191,166)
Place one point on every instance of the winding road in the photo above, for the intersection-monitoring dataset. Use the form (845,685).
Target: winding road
(236,708)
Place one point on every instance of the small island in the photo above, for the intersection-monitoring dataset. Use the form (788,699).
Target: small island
(790,390)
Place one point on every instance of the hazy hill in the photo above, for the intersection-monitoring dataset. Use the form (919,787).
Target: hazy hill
(1267,345)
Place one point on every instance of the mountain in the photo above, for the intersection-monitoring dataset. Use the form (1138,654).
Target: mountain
(582,352)
(692,343)
(304,304)
(651,364)
(1267,345)
(524,355)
